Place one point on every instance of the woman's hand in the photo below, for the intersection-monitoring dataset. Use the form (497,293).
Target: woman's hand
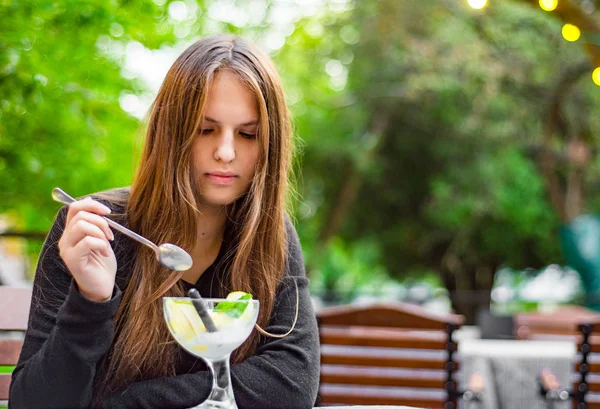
(85,249)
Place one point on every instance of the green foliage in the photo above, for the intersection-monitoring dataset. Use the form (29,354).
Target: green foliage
(60,84)
(448,179)
(463,92)
(502,200)
(347,268)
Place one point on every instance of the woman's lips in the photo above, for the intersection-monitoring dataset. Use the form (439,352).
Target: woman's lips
(221,179)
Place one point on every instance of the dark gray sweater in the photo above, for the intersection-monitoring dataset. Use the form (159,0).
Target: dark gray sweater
(68,335)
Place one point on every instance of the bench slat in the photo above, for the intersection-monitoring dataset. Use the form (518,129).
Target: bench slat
(337,398)
(10,350)
(360,336)
(396,315)
(17,302)
(383,379)
(4,385)
(594,386)
(592,405)
(385,362)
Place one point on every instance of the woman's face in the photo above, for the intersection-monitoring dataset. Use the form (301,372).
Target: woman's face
(226,150)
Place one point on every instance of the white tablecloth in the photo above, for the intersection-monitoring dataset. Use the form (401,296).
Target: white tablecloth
(511,369)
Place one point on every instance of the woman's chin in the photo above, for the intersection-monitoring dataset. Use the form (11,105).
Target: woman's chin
(217,202)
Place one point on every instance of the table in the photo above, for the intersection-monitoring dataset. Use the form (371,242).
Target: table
(511,369)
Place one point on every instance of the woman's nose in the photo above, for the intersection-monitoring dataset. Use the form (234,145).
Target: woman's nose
(225,151)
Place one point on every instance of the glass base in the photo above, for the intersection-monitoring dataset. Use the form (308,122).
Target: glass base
(212,404)
(221,394)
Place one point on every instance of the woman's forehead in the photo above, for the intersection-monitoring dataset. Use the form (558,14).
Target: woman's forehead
(230,101)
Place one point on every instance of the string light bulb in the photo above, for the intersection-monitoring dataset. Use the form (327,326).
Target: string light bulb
(571,32)
(596,76)
(477,4)
(548,5)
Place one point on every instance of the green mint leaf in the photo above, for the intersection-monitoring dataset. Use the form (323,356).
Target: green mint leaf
(234,309)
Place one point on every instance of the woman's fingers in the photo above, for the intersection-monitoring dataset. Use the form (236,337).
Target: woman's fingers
(78,231)
(87,205)
(88,245)
(93,219)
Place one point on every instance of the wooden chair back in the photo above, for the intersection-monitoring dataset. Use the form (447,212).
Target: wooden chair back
(388,354)
(559,324)
(14,304)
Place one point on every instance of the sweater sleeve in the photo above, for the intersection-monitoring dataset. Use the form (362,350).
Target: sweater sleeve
(283,373)
(66,337)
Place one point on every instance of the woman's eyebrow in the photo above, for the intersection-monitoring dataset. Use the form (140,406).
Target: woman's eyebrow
(253,122)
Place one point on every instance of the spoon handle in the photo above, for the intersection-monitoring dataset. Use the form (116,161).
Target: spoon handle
(198,302)
(61,196)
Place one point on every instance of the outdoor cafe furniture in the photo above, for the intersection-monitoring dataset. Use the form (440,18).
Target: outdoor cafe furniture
(545,340)
(390,354)
(579,324)
(559,323)
(583,389)
(14,304)
(511,368)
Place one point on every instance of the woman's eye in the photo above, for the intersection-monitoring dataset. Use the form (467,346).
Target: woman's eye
(206,131)
(248,135)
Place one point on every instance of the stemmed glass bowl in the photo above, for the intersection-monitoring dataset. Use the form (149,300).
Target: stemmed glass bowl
(234,321)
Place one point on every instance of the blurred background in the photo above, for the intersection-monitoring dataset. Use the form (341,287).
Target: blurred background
(447,149)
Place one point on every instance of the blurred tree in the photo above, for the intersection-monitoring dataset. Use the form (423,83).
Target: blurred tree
(60,84)
(424,145)
(580,14)
(575,145)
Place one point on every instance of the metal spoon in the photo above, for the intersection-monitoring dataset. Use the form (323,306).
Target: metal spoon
(169,255)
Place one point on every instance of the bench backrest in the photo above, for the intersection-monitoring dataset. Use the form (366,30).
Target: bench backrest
(14,313)
(387,354)
(559,324)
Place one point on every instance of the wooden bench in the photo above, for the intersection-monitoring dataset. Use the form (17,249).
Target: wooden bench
(389,354)
(14,304)
(561,323)
(584,391)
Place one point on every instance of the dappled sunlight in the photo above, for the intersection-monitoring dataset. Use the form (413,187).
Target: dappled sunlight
(548,5)
(571,32)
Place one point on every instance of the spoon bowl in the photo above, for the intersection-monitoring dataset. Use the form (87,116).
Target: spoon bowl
(174,257)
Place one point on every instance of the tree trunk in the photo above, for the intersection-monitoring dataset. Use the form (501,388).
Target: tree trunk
(579,157)
(554,122)
(351,184)
(468,300)
(343,200)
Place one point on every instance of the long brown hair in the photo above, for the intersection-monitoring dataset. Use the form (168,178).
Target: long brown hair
(163,206)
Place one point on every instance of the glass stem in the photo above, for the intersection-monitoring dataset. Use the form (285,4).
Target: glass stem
(221,389)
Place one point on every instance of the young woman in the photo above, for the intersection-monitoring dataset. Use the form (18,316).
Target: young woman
(212,179)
